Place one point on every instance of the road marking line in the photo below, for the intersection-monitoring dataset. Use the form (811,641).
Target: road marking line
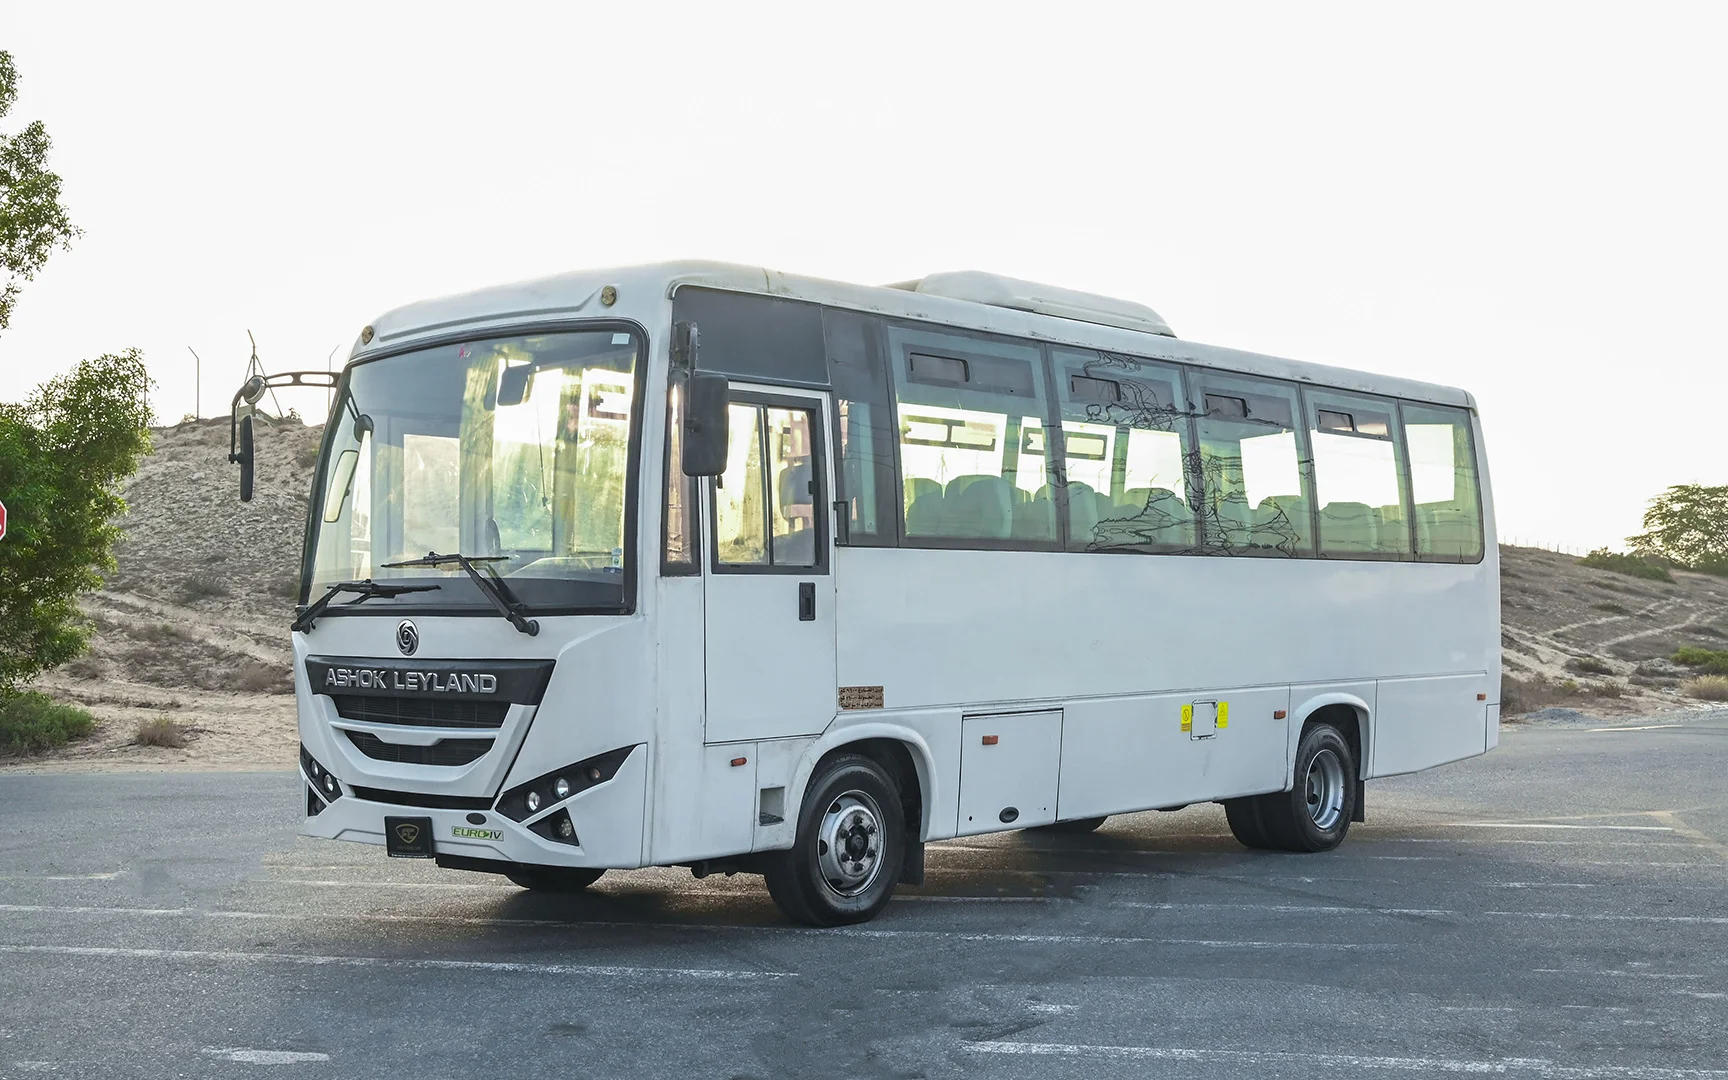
(265,1057)
(1549,825)
(1537,1067)
(1644,727)
(1705,920)
(475,920)
(1276,909)
(390,962)
(1615,974)
(1700,839)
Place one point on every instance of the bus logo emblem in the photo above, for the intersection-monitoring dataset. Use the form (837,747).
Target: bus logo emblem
(408,833)
(407,637)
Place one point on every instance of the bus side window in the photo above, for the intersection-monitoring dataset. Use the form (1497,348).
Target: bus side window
(740,510)
(1124,444)
(1252,456)
(1443,483)
(973,459)
(1358,476)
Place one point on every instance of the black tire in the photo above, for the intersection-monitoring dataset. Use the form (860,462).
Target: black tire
(1314,815)
(555,879)
(1244,818)
(1077,826)
(852,809)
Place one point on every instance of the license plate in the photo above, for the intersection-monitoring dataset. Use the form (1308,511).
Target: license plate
(408,837)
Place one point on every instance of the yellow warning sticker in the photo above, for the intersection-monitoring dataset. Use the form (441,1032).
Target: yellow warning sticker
(1187,718)
(1223,714)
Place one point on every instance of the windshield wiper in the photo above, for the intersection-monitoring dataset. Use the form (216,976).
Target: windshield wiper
(366,589)
(489,583)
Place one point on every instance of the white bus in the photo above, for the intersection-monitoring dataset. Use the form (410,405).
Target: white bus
(713,566)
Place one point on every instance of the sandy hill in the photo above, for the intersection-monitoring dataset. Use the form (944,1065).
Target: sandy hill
(194,622)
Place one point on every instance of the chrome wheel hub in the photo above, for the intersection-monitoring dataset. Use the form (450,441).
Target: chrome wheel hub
(1325,785)
(849,843)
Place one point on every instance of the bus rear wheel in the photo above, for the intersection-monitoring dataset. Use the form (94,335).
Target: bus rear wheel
(850,846)
(1315,814)
(555,879)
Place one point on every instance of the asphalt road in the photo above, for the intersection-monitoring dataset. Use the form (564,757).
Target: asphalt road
(1557,909)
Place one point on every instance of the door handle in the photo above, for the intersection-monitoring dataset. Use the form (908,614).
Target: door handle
(806,601)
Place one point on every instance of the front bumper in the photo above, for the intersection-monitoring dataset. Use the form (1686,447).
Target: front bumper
(609,820)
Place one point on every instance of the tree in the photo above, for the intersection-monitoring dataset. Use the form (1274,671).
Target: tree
(1687,524)
(32,221)
(63,455)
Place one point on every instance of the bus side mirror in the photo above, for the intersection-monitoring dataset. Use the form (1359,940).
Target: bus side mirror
(705,435)
(243,457)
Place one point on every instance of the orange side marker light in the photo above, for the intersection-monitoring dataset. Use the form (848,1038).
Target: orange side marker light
(737,761)
(990,740)
(1278,714)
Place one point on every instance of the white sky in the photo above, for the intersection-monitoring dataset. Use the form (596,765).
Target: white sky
(1527,201)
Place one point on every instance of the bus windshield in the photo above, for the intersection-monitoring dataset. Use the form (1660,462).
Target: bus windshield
(516,447)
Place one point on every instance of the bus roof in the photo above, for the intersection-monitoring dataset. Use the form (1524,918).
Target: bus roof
(1086,321)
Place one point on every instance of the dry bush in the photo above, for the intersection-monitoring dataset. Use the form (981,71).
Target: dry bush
(263,680)
(1588,665)
(1609,689)
(1707,688)
(161,632)
(161,732)
(203,587)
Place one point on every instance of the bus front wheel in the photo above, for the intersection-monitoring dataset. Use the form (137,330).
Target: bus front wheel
(1315,814)
(849,850)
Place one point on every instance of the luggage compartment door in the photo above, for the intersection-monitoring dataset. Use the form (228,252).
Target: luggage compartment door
(1009,765)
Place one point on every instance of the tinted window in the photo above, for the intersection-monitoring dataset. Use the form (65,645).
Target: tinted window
(1357,476)
(755,338)
(1125,444)
(973,455)
(1252,457)
(1443,484)
(864,424)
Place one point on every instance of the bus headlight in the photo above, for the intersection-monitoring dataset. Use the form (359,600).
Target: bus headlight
(525,800)
(324,788)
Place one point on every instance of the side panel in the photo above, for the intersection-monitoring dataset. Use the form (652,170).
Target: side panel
(1425,722)
(1125,754)
(1009,770)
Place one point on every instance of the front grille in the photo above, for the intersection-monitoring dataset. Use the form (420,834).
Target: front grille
(421,712)
(416,798)
(443,752)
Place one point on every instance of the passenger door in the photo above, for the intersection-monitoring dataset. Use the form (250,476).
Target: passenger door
(769,585)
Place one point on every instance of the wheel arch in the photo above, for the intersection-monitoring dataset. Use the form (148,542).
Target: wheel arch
(1348,713)
(899,750)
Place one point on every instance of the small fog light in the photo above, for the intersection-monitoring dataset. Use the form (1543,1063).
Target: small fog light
(565,828)
(561,788)
(594,775)
(329,783)
(533,801)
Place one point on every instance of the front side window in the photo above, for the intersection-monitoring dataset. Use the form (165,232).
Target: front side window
(516,448)
(1124,453)
(1443,484)
(1251,456)
(1357,478)
(765,503)
(973,453)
